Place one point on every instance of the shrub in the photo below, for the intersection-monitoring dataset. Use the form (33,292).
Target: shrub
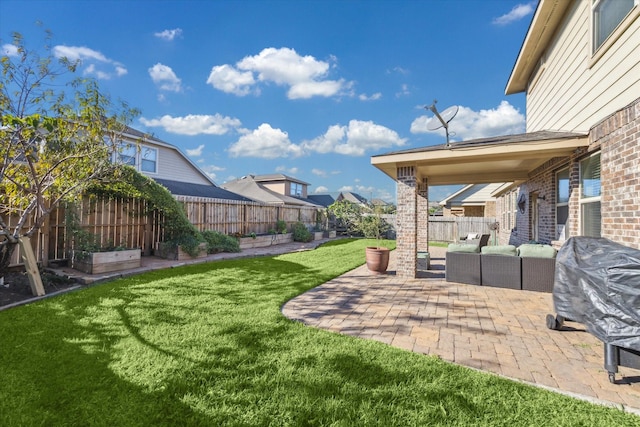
(301,233)
(281,226)
(218,242)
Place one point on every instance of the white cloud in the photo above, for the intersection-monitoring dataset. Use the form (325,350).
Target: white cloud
(398,70)
(319,172)
(169,35)
(229,80)
(321,189)
(374,97)
(9,50)
(265,142)
(194,124)
(93,61)
(518,12)
(291,171)
(305,90)
(469,124)
(74,53)
(196,152)
(404,91)
(211,170)
(345,188)
(355,139)
(163,76)
(304,75)
(368,191)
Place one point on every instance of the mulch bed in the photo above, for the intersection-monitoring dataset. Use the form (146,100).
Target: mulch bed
(16,286)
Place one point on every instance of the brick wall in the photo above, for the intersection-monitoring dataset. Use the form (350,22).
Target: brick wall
(406,237)
(618,138)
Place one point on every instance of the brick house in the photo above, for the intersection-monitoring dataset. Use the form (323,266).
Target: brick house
(577,169)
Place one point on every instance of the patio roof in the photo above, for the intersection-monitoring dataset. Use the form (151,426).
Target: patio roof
(504,158)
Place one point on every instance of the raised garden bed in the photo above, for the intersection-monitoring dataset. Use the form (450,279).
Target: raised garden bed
(177,253)
(264,240)
(106,262)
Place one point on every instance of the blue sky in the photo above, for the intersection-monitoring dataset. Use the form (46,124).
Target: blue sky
(311,89)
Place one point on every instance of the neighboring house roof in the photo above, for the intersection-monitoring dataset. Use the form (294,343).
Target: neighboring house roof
(505,158)
(135,134)
(325,200)
(248,187)
(379,202)
(352,197)
(546,20)
(199,190)
(472,195)
(277,177)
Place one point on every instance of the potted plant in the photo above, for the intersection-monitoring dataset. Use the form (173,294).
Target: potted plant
(372,225)
(369,223)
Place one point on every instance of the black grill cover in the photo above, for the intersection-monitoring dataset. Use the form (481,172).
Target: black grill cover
(597,283)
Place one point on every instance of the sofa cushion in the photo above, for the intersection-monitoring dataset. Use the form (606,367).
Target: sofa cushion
(500,250)
(463,247)
(536,251)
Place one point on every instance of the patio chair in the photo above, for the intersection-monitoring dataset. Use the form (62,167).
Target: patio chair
(538,267)
(501,267)
(480,240)
(462,264)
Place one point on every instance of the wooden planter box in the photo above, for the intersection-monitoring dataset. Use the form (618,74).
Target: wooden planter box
(106,262)
(317,235)
(330,234)
(177,253)
(265,240)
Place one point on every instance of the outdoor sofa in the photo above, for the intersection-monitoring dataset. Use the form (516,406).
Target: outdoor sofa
(529,267)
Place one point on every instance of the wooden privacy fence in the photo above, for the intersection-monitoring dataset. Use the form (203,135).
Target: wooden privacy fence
(450,229)
(232,216)
(129,223)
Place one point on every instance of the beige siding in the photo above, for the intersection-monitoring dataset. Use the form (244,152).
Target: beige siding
(572,92)
(278,187)
(172,165)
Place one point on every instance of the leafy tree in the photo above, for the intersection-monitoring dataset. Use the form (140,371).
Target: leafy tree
(347,215)
(58,135)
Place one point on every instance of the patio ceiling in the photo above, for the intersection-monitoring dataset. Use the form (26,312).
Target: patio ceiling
(497,159)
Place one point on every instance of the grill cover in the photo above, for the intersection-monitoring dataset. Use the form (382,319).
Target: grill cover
(597,283)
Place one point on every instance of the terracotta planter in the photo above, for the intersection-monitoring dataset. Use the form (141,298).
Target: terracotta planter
(377,259)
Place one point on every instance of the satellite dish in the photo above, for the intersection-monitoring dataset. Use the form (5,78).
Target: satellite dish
(446,116)
(441,119)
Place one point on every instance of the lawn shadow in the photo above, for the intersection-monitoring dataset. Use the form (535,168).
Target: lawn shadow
(71,364)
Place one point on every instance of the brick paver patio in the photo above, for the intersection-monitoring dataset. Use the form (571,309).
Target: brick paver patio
(492,329)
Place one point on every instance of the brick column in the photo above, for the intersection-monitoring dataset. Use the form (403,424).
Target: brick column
(423,216)
(406,236)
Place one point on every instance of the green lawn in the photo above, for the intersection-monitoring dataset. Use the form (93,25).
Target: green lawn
(207,345)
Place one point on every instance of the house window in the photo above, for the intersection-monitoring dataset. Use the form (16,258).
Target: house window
(148,159)
(296,189)
(126,154)
(562,204)
(142,158)
(590,196)
(606,16)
